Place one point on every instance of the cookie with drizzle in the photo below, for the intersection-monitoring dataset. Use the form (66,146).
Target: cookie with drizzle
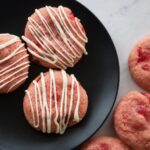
(55,101)
(55,37)
(14,63)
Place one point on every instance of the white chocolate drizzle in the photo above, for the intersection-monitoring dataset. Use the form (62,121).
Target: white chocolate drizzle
(52,51)
(10,42)
(14,68)
(44,105)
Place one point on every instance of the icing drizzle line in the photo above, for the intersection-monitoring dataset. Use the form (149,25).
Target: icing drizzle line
(14,68)
(62,112)
(65,29)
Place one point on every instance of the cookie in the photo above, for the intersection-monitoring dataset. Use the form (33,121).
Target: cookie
(132,120)
(139,63)
(55,101)
(14,63)
(104,143)
(55,37)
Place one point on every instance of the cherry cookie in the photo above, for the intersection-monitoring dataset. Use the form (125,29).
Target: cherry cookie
(104,143)
(14,63)
(55,101)
(55,37)
(139,63)
(132,120)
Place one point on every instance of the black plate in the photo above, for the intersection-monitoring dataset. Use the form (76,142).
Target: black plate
(98,73)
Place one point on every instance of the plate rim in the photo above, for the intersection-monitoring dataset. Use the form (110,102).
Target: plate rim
(118,74)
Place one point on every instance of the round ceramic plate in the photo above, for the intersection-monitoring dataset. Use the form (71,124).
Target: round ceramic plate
(98,73)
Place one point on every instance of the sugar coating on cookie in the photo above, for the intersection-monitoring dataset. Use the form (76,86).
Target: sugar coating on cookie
(132,120)
(14,63)
(55,37)
(55,101)
(139,62)
(104,143)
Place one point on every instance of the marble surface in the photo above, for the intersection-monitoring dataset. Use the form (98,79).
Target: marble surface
(126,21)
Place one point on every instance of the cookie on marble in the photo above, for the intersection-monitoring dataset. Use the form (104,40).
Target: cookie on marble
(139,62)
(132,120)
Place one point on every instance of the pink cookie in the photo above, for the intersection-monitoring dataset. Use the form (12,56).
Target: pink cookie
(104,143)
(55,101)
(132,120)
(14,63)
(139,63)
(55,37)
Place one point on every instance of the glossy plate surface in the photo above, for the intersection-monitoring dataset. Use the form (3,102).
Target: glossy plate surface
(98,73)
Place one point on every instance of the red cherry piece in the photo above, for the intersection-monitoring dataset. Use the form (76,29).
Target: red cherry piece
(72,16)
(143,56)
(104,146)
(58,97)
(141,110)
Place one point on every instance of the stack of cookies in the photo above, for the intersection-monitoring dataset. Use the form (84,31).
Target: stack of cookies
(55,39)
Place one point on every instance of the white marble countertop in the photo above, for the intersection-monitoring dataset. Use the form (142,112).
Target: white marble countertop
(126,21)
